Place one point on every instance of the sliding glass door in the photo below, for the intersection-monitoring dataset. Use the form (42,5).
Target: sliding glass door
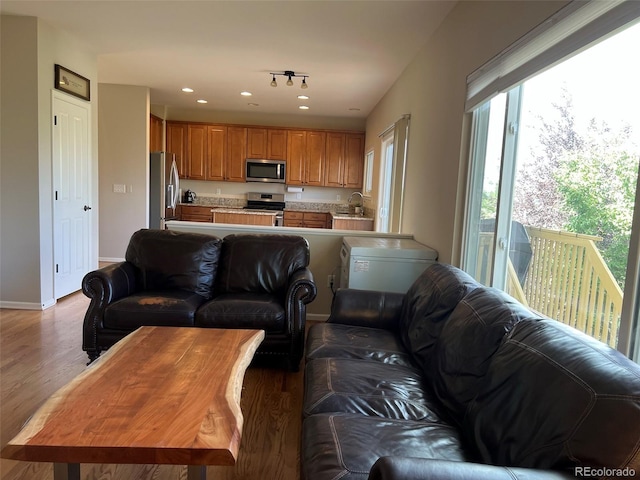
(553,191)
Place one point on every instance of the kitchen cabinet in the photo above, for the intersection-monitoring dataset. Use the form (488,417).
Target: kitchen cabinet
(306,219)
(353,161)
(269,143)
(305,157)
(155,134)
(344,165)
(276,144)
(236,154)
(195,213)
(244,218)
(197,150)
(176,136)
(257,143)
(217,152)
(353,224)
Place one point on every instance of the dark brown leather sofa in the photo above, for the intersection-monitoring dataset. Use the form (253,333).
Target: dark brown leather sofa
(195,280)
(458,381)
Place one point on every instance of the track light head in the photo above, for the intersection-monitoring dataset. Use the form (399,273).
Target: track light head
(273,81)
(304,85)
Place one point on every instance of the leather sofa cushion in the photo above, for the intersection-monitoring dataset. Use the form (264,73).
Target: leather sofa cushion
(161,308)
(426,307)
(346,446)
(555,398)
(468,340)
(326,340)
(260,263)
(245,310)
(368,388)
(169,260)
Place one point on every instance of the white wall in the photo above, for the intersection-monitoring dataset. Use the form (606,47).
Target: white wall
(432,89)
(30,48)
(124,160)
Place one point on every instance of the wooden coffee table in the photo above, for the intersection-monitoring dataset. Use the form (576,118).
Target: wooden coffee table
(162,395)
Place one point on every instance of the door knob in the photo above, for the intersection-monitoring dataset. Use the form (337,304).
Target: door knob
(87,207)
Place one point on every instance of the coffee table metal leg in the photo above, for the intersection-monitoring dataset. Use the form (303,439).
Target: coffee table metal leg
(66,471)
(196,472)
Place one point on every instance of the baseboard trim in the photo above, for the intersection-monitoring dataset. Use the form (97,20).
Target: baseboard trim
(27,305)
(110,259)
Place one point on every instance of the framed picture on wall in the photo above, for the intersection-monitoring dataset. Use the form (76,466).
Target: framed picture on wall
(72,83)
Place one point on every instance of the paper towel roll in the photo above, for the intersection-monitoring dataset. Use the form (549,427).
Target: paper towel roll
(295,189)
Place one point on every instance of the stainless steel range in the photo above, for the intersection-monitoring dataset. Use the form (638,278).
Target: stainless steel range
(267,201)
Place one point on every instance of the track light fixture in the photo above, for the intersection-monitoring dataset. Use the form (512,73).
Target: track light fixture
(289,74)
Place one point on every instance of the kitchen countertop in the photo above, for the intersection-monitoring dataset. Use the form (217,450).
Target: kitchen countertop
(238,210)
(241,210)
(349,216)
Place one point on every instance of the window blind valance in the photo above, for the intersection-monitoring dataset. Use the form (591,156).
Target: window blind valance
(567,32)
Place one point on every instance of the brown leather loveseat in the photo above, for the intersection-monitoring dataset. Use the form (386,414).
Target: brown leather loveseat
(455,380)
(195,280)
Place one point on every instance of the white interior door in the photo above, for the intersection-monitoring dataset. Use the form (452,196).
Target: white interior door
(72,212)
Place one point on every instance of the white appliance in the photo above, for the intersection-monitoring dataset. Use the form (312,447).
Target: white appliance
(164,189)
(386,264)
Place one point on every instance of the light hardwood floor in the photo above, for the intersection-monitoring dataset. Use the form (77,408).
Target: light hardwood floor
(41,351)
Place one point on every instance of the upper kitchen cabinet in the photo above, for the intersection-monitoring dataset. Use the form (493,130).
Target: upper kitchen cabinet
(345,160)
(177,144)
(269,143)
(305,157)
(155,134)
(236,154)
(217,152)
(197,152)
(353,161)
(276,144)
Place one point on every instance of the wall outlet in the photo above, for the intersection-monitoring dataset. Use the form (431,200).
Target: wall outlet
(218,191)
(298,196)
(331,280)
(119,188)
(338,197)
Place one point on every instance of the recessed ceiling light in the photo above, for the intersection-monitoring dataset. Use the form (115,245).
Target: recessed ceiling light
(187,90)
(303,97)
(354,109)
(246,94)
(253,104)
(303,107)
(201,101)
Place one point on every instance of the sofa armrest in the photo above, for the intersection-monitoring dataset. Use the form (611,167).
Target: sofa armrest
(405,468)
(367,308)
(104,286)
(301,290)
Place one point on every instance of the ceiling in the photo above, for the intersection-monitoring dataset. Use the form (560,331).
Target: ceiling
(353,51)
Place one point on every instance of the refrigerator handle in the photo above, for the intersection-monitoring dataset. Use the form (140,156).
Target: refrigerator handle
(174,184)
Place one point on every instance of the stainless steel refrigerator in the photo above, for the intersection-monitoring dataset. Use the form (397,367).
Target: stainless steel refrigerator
(164,189)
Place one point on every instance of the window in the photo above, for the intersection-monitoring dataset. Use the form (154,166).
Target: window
(367,187)
(386,179)
(392,175)
(552,215)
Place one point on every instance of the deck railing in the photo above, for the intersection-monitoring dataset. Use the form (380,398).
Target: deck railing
(567,280)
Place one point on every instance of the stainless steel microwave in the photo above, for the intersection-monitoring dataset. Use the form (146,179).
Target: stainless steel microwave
(265,170)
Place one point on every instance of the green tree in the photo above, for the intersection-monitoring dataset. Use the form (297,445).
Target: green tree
(597,183)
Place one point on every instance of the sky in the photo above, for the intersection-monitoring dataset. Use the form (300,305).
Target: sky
(603,80)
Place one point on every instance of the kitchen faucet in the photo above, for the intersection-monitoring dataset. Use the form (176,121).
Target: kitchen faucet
(358,208)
